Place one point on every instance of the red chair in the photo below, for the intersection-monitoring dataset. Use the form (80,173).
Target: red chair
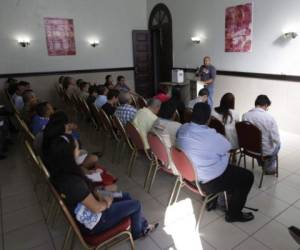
(161,157)
(188,178)
(106,239)
(250,141)
(138,148)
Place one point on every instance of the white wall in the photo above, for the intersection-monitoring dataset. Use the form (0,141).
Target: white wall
(207,19)
(110,20)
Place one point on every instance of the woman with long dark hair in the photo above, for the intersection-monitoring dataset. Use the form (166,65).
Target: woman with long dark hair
(229,117)
(93,211)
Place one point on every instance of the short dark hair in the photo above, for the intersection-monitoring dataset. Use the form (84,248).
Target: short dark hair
(262,100)
(92,89)
(60,79)
(78,82)
(41,108)
(83,84)
(203,92)
(23,83)
(201,113)
(108,76)
(66,82)
(167,109)
(112,93)
(119,78)
(101,89)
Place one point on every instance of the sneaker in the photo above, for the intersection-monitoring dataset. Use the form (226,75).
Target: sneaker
(243,217)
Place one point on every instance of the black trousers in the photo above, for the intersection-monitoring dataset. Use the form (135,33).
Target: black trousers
(237,182)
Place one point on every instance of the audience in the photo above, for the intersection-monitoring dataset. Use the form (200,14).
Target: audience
(145,118)
(70,87)
(84,90)
(164,93)
(92,95)
(39,121)
(208,152)
(112,99)
(17,96)
(30,102)
(202,97)
(269,129)
(102,96)
(121,84)
(180,106)
(125,112)
(165,126)
(109,82)
(226,114)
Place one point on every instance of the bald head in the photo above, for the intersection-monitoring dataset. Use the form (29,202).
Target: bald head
(154,105)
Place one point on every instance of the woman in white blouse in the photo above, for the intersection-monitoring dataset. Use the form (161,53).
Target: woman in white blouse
(226,114)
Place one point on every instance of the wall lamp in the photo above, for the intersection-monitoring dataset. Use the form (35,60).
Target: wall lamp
(195,40)
(94,43)
(24,42)
(290,35)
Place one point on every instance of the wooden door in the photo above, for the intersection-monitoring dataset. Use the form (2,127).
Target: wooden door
(143,65)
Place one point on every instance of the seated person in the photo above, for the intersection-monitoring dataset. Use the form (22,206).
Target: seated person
(30,102)
(102,211)
(269,130)
(125,112)
(109,82)
(121,84)
(84,90)
(112,99)
(70,87)
(180,106)
(165,126)
(226,114)
(92,95)
(39,121)
(17,96)
(145,118)
(164,93)
(208,151)
(11,85)
(78,82)
(202,97)
(102,96)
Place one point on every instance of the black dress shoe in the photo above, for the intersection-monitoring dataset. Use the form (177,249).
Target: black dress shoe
(243,217)
(295,233)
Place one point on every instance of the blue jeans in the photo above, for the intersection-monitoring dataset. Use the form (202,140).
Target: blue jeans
(210,89)
(119,210)
(269,164)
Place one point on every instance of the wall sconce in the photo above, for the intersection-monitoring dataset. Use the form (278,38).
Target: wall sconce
(94,43)
(195,40)
(24,42)
(290,35)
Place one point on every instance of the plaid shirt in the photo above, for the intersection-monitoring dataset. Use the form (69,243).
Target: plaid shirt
(125,113)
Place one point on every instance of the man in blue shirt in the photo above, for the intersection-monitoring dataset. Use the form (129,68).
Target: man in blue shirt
(43,112)
(208,151)
(101,98)
(207,74)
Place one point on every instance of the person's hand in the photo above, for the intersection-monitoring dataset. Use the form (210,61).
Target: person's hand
(99,170)
(108,200)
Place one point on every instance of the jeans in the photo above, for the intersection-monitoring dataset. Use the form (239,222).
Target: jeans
(269,164)
(210,89)
(237,182)
(119,210)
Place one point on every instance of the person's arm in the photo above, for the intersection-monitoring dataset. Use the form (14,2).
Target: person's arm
(274,133)
(224,145)
(97,206)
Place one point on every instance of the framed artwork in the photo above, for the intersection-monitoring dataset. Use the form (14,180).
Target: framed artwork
(238,28)
(60,36)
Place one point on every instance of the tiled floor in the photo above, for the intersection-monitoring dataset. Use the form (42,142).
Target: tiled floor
(22,224)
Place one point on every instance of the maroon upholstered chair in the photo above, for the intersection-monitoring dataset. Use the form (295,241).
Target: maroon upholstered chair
(188,178)
(250,141)
(161,157)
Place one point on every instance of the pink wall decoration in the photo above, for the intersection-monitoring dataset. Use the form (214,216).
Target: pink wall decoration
(60,36)
(238,28)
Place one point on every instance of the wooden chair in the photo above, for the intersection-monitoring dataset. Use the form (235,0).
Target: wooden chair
(161,157)
(250,141)
(106,239)
(138,148)
(188,178)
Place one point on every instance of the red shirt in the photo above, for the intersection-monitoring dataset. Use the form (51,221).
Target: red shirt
(162,97)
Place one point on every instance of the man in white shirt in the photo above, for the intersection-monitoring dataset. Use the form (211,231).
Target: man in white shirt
(269,130)
(145,118)
(202,97)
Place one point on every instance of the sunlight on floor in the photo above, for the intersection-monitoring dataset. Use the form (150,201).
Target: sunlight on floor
(183,230)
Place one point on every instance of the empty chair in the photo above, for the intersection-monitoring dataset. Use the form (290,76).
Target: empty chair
(250,141)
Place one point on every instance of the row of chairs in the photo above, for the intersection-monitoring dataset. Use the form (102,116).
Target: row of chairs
(55,202)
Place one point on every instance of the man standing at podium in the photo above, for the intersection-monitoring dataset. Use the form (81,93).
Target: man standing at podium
(207,74)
